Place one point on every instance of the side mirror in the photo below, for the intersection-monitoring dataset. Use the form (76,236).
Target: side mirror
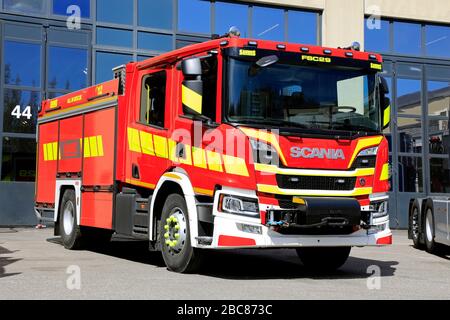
(385,103)
(191,67)
(192,87)
(386,109)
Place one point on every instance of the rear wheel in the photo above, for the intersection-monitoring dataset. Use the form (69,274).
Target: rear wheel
(323,258)
(70,230)
(428,226)
(177,251)
(414,226)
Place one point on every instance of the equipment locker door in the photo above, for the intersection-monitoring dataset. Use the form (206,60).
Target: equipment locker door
(98,169)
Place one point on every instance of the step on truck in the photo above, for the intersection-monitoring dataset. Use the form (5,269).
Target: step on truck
(231,143)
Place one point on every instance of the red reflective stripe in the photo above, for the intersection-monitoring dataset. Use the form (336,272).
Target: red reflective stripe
(385,240)
(230,241)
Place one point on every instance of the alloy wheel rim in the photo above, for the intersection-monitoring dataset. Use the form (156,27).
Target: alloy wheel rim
(175,231)
(68,216)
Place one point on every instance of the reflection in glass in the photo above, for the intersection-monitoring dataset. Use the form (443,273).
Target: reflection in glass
(438,98)
(302,27)
(268,23)
(389,95)
(376,35)
(155,14)
(61,6)
(115,11)
(106,62)
(25,6)
(18,159)
(231,14)
(410,134)
(194,16)
(440,175)
(407,38)
(437,41)
(68,68)
(409,97)
(21,109)
(154,41)
(115,37)
(22,64)
(410,174)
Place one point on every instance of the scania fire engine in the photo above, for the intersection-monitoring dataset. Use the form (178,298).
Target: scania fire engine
(231,143)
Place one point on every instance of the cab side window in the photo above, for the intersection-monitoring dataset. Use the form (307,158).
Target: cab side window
(209,77)
(153,99)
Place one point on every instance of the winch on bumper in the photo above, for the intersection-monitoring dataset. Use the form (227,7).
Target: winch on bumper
(322,215)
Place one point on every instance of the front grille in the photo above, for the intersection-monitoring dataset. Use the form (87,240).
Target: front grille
(316,183)
(364,162)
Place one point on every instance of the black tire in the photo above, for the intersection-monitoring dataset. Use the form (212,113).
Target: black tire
(71,238)
(414,226)
(429,229)
(323,259)
(187,259)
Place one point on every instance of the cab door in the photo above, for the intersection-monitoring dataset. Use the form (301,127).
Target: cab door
(148,134)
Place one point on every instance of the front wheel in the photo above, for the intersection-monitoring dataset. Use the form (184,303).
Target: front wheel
(177,251)
(323,258)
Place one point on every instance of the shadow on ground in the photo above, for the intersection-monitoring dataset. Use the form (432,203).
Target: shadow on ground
(5,261)
(442,251)
(246,264)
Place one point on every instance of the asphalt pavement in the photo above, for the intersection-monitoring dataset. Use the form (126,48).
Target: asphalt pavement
(34,265)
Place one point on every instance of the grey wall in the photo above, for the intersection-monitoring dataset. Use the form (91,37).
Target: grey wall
(16,204)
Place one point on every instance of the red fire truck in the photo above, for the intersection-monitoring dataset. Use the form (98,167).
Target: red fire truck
(231,143)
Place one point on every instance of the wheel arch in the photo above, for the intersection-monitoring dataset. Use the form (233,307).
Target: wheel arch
(169,183)
(61,187)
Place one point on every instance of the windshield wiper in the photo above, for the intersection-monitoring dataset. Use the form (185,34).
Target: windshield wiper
(281,124)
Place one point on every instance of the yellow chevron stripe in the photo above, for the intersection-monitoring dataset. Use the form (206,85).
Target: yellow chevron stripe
(294,192)
(191,99)
(266,168)
(235,166)
(214,161)
(100,146)
(161,149)
(199,157)
(134,143)
(385,172)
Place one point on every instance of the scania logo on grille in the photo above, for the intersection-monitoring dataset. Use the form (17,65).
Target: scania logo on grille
(320,153)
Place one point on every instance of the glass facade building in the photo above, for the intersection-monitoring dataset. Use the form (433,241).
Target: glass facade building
(52,47)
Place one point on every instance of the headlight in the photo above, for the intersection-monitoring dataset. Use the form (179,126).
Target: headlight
(379,209)
(264,153)
(368,152)
(239,205)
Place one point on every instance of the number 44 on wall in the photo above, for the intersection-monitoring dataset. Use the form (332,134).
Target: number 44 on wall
(18,113)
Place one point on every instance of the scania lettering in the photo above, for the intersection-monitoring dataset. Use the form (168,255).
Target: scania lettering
(231,143)
(321,153)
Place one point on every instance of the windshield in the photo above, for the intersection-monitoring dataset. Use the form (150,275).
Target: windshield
(305,97)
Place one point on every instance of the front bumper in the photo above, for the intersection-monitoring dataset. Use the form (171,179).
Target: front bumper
(236,231)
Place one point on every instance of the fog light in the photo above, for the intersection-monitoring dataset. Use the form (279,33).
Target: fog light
(249,228)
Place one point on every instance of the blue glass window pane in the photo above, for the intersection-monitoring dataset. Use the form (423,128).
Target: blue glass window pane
(152,41)
(68,68)
(194,16)
(376,35)
(115,11)
(114,37)
(17,116)
(25,6)
(61,6)
(228,15)
(302,27)
(407,38)
(106,62)
(22,64)
(268,24)
(142,58)
(437,41)
(155,14)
